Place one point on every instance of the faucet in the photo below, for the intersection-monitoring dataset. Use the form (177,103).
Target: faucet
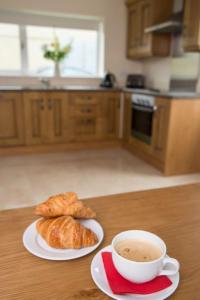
(45,81)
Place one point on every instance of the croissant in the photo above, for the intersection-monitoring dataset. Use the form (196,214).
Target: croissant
(65,233)
(65,204)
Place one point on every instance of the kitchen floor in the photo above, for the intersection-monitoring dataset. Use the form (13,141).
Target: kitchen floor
(28,179)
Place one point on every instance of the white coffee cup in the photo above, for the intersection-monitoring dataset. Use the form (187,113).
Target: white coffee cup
(140,272)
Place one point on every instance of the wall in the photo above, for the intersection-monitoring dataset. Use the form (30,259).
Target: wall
(114,14)
(158,73)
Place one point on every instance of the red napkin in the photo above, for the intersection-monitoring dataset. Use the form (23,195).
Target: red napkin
(120,285)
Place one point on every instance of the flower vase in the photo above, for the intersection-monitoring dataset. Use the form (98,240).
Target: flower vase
(57,69)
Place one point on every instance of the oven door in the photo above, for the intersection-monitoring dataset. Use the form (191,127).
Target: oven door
(142,119)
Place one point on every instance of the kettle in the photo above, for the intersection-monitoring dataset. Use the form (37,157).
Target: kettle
(108,81)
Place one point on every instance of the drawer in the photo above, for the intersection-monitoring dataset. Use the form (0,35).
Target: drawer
(84,128)
(84,98)
(84,110)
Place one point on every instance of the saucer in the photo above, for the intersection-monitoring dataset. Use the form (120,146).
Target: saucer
(99,277)
(36,245)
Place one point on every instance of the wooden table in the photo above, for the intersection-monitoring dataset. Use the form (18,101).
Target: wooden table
(172,213)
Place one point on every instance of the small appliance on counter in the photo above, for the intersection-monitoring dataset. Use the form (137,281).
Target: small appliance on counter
(135,81)
(109,81)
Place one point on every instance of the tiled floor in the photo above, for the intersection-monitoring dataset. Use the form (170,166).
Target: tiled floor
(28,179)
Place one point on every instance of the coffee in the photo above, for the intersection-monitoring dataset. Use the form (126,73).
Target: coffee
(139,250)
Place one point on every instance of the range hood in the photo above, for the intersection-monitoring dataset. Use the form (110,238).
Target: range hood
(173,25)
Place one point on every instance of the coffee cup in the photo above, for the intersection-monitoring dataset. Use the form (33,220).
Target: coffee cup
(143,271)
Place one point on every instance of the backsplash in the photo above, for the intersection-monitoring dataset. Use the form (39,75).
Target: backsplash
(157,72)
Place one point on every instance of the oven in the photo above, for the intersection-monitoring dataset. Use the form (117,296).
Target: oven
(143,108)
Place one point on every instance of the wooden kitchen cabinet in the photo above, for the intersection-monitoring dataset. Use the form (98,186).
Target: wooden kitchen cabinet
(35,116)
(191,33)
(85,113)
(57,117)
(133,30)
(127,117)
(11,119)
(94,116)
(143,14)
(46,116)
(110,115)
(160,128)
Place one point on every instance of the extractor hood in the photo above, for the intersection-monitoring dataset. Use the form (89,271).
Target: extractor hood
(173,25)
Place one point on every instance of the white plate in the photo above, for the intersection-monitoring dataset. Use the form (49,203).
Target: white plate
(35,244)
(99,277)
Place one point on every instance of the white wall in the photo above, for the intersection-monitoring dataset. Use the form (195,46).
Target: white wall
(157,72)
(114,14)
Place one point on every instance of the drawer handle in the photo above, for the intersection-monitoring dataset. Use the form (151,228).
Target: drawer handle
(86,110)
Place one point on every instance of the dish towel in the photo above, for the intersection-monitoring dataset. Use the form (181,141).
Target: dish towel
(120,285)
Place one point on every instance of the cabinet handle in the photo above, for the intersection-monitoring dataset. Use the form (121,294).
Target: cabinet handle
(86,110)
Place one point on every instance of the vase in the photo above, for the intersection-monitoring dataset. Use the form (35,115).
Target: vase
(57,69)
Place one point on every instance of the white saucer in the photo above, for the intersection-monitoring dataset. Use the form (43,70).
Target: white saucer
(35,244)
(99,277)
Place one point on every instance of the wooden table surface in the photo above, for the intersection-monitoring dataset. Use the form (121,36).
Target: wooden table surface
(172,213)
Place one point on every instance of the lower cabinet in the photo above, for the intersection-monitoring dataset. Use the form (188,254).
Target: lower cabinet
(110,115)
(127,118)
(46,117)
(11,119)
(94,116)
(60,117)
(160,128)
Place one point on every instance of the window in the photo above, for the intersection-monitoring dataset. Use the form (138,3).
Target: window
(21,49)
(82,60)
(10,58)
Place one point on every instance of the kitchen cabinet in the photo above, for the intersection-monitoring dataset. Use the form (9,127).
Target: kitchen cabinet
(85,112)
(143,14)
(45,117)
(57,117)
(175,142)
(160,128)
(132,30)
(110,113)
(11,119)
(94,116)
(35,116)
(38,117)
(127,117)
(191,33)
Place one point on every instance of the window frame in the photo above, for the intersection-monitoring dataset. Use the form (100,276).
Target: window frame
(24,52)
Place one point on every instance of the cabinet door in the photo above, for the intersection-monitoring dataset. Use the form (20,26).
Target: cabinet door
(191,25)
(145,20)
(35,112)
(160,128)
(11,119)
(133,30)
(127,118)
(57,117)
(110,115)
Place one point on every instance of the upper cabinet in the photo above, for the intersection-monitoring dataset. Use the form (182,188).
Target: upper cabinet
(192,25)
(142,14)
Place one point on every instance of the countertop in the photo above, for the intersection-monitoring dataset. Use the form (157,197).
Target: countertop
(59,88)
(165,94)
(76,88)
(162,211)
